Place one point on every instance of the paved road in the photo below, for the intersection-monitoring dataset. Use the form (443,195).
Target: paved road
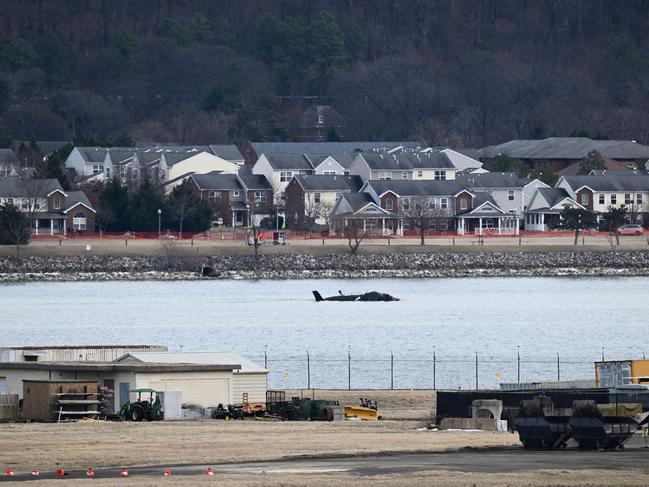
(479,461)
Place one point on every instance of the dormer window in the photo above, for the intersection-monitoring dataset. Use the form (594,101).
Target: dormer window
(321,119)
(584,199)
(464,204)
(56,204)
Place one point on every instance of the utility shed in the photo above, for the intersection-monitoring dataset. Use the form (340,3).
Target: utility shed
(44,400)
(250,378)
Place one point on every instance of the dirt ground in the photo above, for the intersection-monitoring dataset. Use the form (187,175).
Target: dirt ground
(437,478)
(135,247)
(416,405)
(24,447)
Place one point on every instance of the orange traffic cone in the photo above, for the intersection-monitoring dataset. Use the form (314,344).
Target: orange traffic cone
(123,473)
(10,472)
(209,471)
(35,473)
(167,473)
(90,472)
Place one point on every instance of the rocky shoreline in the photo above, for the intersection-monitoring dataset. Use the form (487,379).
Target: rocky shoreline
(335,266)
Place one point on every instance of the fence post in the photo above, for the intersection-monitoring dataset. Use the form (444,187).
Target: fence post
(349,367)
(266,357)
(308,370)
(476,371)
(391,371)
(434,370)
(518,357)
(558,368)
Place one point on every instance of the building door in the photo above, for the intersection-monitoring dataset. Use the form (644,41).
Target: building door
(110,384)
(124,393)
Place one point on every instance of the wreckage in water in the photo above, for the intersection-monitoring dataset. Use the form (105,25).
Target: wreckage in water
(371,296)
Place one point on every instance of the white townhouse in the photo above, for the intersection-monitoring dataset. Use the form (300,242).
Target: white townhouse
(403,164)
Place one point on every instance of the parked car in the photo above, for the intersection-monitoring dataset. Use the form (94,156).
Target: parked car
(630,229)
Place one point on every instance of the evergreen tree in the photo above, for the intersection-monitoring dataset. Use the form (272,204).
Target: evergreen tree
(53,166)
(14,227)
(592,161)
(577,219)
(187,211)
(144,205)
(546,174)
(113,207)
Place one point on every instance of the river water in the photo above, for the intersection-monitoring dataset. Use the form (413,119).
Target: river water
(451,319)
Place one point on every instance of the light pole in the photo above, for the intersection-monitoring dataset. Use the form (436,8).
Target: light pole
(159,221)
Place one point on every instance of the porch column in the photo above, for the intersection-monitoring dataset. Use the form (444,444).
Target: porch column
(65,227)
(51,226)
(543,222)
(364,225)
(499,225)
(36,223)
(234,218)
(480,226)
(383,220)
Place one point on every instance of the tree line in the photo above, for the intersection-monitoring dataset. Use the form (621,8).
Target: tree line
(460,74)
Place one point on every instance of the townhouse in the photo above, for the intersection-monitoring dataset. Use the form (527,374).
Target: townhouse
(236,200)
(403,164)
(50,209)
(544,209)
(311,197)
(361,214)
(599,192)
(9,165)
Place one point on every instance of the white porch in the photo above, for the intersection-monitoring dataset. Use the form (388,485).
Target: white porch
(488,225)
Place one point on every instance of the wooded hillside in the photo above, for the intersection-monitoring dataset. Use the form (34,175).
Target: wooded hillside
(460,73)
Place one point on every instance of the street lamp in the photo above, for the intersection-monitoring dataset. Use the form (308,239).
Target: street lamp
(159,221)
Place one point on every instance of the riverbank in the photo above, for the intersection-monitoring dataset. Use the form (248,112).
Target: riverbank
(399,264)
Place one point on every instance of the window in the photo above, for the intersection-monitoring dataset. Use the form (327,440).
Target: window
(614,199)
(97,169)
(285,176)
(260,197)
(432,225)
(584,199)
(24,204)
(316,198)
(37,205)
(338,195)
(405,203)
(404,174)
(79,221)
(441,175)
(329,173)
(638,199)
(627,199)
(602,199)
(122,171)
(464,204)
(444,204)
(282,195)
(385,175)
(10,201)
(420,174)
(443,227)
(389,204)
(320,119)
(213,196)
(304,171)
(107,172)
(236,194)
(510,195)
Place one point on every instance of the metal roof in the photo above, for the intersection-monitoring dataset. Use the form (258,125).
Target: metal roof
(566,148)
(198,358)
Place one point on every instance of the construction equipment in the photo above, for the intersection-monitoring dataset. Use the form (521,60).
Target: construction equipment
(592,430)
(252,408)
(227,412)
(536,430)
(367,411)
(302,409)
(150,409)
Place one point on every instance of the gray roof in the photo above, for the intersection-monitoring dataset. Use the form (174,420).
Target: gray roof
(416,188)
(492,180)
(358,200)
(217,181)
(289,161)
(320,182)
(203,358)
(76,197)
(255,181)
(227,152)
(325,147)
(407,160)
(483,197)
(13,187)
(553,195)
(610,182)
(92,154)
(7,156)
(566,148)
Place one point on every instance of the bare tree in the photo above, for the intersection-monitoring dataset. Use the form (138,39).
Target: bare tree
(354,232)
(34,197)
(315,208)
(420,211)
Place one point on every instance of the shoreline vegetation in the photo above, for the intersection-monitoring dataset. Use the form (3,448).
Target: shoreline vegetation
(431,264)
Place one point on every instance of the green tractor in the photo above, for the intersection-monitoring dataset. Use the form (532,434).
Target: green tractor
(150,409)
